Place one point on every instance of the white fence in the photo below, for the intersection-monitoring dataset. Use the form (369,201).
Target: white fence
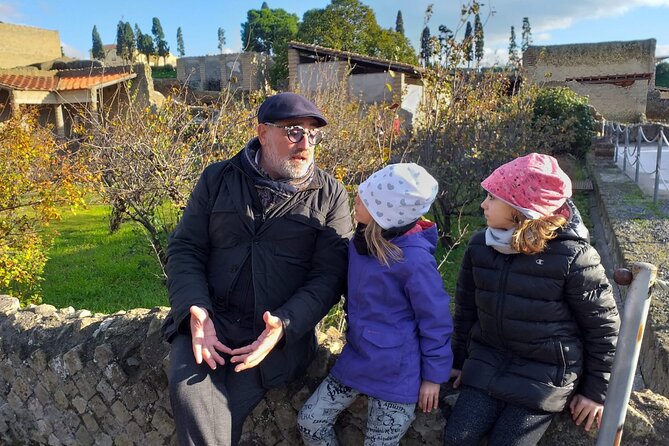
(633,149)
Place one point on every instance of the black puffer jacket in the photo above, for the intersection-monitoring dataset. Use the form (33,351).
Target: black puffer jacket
(534,329)
(293,263)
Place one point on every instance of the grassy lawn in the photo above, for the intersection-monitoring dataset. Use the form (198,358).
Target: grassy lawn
(90,269)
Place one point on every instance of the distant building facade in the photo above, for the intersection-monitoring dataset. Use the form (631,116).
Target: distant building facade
(238,71)
(371,79)
(24,45)
(615,76)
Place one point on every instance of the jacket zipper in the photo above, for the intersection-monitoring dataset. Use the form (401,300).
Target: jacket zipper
(562,366)
(500,295)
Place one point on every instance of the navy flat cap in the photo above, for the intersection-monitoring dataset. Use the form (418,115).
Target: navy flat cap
(288,106)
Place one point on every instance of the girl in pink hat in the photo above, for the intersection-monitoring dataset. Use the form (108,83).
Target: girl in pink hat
(535,320)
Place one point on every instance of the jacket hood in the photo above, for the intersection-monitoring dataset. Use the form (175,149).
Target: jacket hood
(425,238)
(575,229)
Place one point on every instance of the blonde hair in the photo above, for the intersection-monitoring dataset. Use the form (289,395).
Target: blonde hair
(532,234)
(383,250)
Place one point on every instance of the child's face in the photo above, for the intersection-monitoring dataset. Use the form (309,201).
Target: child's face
(498,214)
(360,212)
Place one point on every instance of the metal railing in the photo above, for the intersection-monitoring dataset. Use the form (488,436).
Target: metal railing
(631,154)
(643,278)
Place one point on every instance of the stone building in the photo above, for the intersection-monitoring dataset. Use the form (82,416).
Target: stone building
(24,45)
(615,76)
(372,79)
(61,95)
(238,71)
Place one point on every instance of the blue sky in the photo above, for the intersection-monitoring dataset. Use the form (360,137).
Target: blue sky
(553,21)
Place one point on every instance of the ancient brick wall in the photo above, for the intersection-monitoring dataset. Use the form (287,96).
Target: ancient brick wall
(611,74)
(24,45)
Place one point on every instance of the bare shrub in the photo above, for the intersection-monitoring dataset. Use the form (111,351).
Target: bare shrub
(149,159)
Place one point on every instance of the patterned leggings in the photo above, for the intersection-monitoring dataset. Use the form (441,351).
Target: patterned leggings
(387,422)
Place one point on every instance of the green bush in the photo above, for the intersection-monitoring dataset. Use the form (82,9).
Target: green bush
(662,74)
(563,122)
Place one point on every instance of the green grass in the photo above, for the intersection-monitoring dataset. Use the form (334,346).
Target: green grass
(90,269)
(451,266)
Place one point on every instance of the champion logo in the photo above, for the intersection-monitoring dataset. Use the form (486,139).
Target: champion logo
(539,261)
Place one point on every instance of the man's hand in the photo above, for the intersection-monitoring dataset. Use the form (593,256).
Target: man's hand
(205,342)
(428,396)
(251,355)
(457,374)
(583,408)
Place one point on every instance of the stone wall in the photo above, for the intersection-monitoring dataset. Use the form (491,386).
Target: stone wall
(69,377)
(657,107)
(24,45)
(241,71)
(609,73)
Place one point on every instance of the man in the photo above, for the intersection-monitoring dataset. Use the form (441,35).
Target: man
(258,258)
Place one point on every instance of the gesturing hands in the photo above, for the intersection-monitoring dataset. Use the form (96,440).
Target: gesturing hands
(582,408)
(205,342)
(252,354)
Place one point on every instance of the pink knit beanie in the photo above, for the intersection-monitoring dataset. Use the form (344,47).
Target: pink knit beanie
(534,184)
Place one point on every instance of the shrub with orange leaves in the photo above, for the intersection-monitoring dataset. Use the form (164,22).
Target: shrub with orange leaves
(37,178)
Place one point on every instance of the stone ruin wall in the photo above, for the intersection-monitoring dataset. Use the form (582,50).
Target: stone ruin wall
(552,65)
(25,45)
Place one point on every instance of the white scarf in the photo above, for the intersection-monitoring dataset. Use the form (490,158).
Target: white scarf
(500,240)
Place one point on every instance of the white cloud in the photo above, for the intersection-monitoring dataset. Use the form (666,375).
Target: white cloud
(542,37)
(546,16)
(71,51)
(662,51)
(9,12)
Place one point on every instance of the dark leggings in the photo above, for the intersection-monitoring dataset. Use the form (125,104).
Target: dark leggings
(476,414)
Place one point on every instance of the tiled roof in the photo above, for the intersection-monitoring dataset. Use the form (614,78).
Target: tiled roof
(377,61)
(81,79)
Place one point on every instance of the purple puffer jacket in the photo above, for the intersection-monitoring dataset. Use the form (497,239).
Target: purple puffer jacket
(399,322)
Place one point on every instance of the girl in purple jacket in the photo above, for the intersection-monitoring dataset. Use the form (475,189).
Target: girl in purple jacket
(398,349)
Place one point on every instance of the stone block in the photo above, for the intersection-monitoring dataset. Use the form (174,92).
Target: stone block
(89,421)
(83,437)
(38,360)
(115,375)
(139,416)
(72,360)
(35,408)
(21,388)
(120,412)
(9,304)
(162,422)
(98,407)
(106,391)
(44,310)
(103,355)
(79,404)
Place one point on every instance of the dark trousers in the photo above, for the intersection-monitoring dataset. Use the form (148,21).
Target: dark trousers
(209,406)
(476,414)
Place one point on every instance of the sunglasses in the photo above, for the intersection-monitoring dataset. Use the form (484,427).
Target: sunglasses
(295,133)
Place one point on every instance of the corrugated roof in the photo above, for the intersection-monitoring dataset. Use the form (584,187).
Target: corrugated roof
(378,61)
(81,79)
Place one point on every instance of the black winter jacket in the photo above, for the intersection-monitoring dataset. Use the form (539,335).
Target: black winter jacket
(293,263)
(532,330)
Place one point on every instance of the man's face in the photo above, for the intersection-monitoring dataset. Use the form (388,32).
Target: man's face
(280,157)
